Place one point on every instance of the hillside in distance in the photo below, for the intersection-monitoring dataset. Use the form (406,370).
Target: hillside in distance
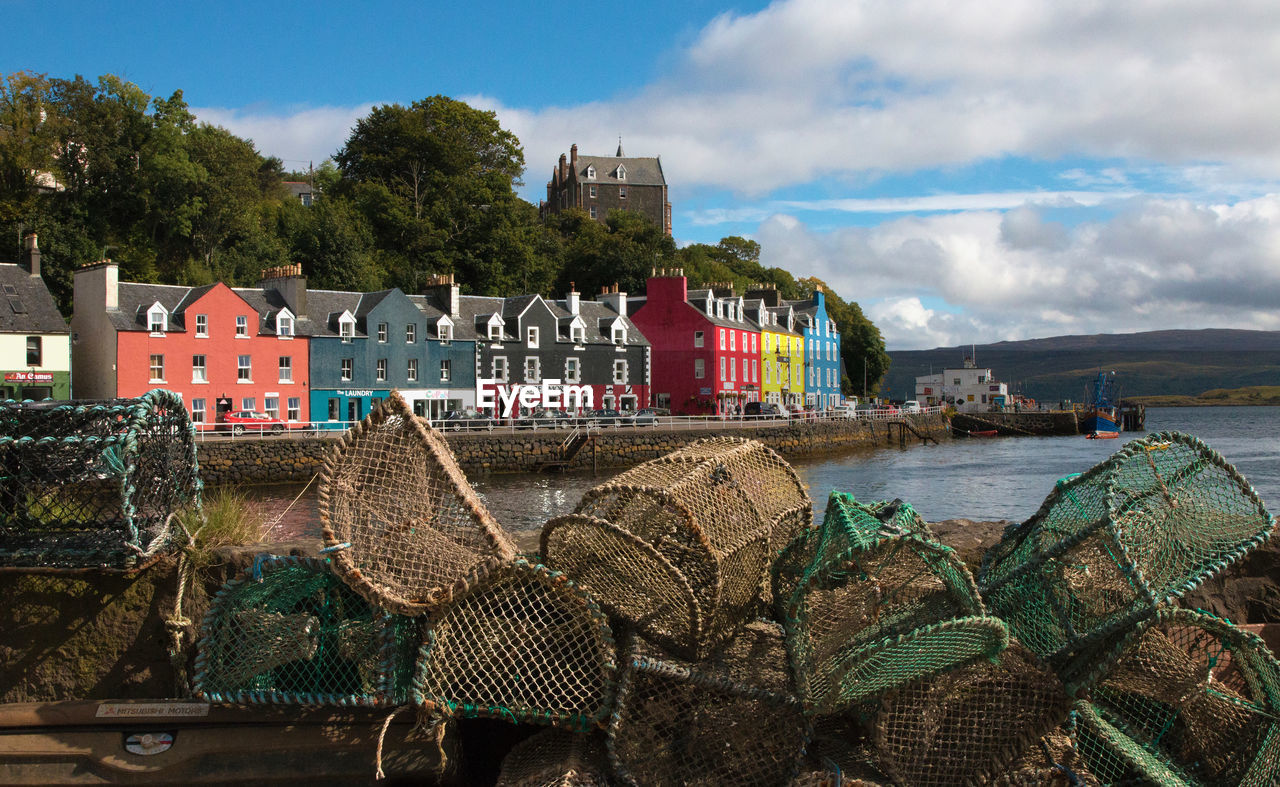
(1146,364)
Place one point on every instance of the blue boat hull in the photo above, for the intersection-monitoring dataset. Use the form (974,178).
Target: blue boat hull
(1101,419)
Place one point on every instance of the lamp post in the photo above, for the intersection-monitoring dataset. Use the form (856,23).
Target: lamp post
(864,378)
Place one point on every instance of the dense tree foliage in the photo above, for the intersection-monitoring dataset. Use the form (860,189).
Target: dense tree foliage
(103,169)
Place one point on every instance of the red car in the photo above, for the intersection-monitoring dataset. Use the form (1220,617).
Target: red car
(242,421)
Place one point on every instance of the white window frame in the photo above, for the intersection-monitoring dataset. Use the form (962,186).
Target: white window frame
(383,331)
(269,408)
(578,334)
(202,326)
(593,212)
(622,172)
(619,335)
(445,370)
(572,370)
(380,370)
(699,368)
(157,319)
(157,368)
(411,333)
(285,367)
(284,324)
(495,331)
(699,339)
(198,410)
(244,368)
(722,339)
(532,337)
(199,371)
(242,326)
(346,369)
(622,192)
(620,371)
(249,403)
(733,341)
(444,331)
(753,342)
(500,371)
(592,191)
(411,370)
(294,408)
(532,369)
(591,171)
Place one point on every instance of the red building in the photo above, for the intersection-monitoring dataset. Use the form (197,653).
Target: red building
(221,349)
(706,353)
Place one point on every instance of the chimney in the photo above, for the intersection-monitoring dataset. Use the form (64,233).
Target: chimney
(97,283)
(563,168)
(31,256)
(614,299)
(766,293)
(571,298)
(290,283)
(443,292)
(573,157)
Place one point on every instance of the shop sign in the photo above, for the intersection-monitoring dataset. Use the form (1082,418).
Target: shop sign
(354,393)
(28,377)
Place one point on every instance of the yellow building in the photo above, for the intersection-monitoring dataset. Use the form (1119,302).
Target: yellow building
(781,352)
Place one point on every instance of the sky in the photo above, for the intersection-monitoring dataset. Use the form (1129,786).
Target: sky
(967,171)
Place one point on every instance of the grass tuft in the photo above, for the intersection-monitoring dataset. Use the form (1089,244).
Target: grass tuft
(231,518)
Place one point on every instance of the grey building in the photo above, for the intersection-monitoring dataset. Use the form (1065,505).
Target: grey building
(599,184)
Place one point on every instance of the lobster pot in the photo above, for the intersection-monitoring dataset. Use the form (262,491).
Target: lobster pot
(518,642)
(1046,762)
(290,632)
(839,755)
(675,547)
(94,484)
(556,758)
(406,523)
(877,608)
(1109,547)
(968,725)
(729,719)
(1188,699)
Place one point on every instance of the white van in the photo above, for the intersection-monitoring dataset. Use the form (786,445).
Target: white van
(911,406)
(847,409)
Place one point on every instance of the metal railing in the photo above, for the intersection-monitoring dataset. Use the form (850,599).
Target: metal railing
(513,426)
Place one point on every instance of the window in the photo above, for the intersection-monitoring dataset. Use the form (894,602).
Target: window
(699,368)
(382,332)
(733,340)
(347,364)
(619,372)
(248,403)
(271,405)
(746,371)
(767,378)
(335,409)
(284,325)
(721,330)
(622,172)
(753,343)
(723,371)
(500,368)
(286,368)
(755,373)
(532,335)
(197,411)
(622,192)
(295,408)
(411,333)
(697,339)
(382,370)
(579,334)
(572,370)
(244,369)
(199,372)
(157,319)
(594,213)
(592,191)
(495,332)
(411,370)
(444,332)
(591,171)
(202,326)
(956,381)
(532,370)
(157,368)
(347,330)
(444,371)
(242,325)
(733,372)
(619,335)
(35,350)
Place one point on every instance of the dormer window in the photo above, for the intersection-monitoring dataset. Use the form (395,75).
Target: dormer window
(347,327)
(157,319)
(444,331)
(284,324)
(495,332)
(622,172)
(591,172)
(619,335)
(578,333)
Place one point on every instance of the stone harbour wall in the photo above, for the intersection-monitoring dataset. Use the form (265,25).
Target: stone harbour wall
(288,459)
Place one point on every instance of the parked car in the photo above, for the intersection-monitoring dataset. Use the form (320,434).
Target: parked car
(911,406)
(602,418)
(242,421)
(848,410)
(759,410)
(546,419)
(649,416)
(466,420)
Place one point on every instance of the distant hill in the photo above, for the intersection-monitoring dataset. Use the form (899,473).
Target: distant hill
(1146,364)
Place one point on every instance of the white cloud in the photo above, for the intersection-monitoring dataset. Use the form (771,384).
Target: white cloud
(311,134)
(1157,263)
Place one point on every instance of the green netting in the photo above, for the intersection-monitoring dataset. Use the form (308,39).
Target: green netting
(517,642)
(93,484)
(1187,699)
(731,718)
(291,632)
(1108,547)
(878,605)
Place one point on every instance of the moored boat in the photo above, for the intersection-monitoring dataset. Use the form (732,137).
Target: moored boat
(1102,414)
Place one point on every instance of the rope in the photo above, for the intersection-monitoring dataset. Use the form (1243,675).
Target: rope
(378,775)
(278,518)
(177,623)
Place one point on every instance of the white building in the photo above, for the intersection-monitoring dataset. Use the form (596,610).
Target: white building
(970,389)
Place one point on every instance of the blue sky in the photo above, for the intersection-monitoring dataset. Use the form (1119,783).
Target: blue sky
(967,170)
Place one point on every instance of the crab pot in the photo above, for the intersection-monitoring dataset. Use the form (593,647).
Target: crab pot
(729,719)
(94,484)
(674,547)
(556,758)
(404,522)
(1187,698)
(518,642)
(878,607)
(1111,546)
(291,632)
(968,725)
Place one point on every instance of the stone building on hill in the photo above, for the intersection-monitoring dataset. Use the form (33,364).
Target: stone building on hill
(599,184)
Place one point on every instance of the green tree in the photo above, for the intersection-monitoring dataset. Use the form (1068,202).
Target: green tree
(624,250)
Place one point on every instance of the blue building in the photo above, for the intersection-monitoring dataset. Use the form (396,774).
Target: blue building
(822,352)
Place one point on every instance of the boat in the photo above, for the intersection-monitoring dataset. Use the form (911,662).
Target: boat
(1102,413)
(1102,435)
(984,433)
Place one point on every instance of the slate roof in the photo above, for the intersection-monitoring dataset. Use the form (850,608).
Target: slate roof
(640,171)
(597,316)
(31,309)
(464,329)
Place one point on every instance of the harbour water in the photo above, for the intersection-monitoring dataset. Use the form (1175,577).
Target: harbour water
(981,479)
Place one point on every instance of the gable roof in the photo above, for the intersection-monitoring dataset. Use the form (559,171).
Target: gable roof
(640,171)
(31,309)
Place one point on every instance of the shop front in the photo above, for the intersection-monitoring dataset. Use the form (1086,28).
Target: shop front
(23,385)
